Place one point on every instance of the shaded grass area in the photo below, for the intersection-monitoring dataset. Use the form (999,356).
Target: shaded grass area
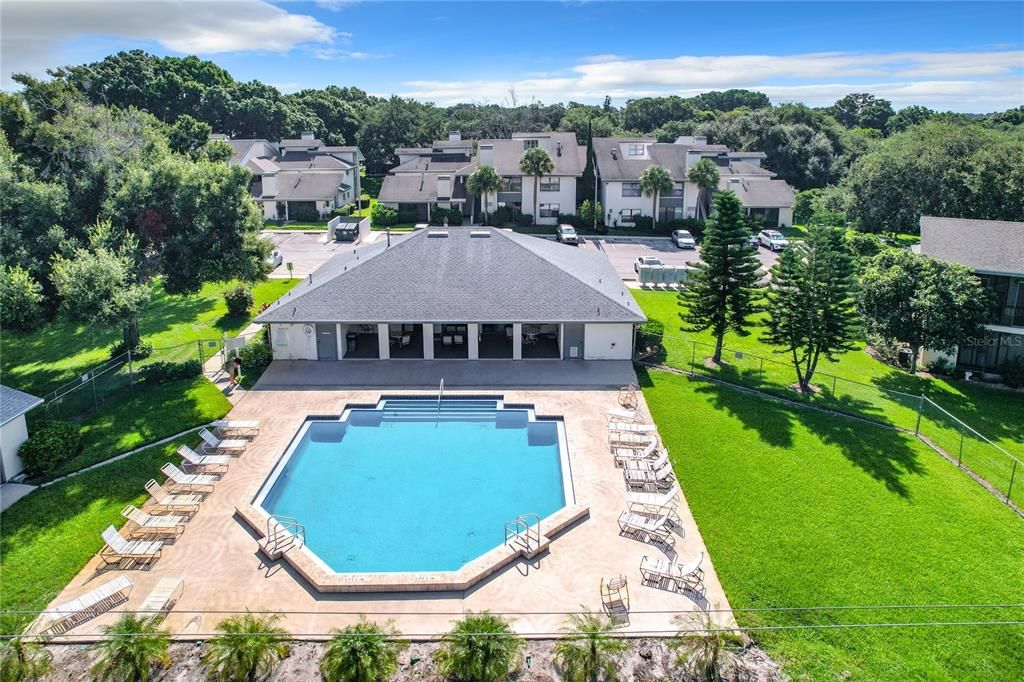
(296,225)
(867,390)
(41,361)
(47,537)
(144,414)
(802,508)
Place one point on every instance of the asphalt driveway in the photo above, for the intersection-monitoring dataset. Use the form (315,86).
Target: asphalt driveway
(623,252)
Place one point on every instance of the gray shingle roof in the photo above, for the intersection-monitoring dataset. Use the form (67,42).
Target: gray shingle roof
(415,188)
(744,168)
(297,186)
(425,163)
(508,152)
(505,277)
(991,246)
(306,161)
(760,193)
(14,403)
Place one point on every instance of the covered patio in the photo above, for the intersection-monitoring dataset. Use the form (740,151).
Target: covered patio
(541,341)
(405,341)
(451,341)
(361,342)
(496,342)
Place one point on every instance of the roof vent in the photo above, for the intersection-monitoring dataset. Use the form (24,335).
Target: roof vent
(437,233)
(479,233)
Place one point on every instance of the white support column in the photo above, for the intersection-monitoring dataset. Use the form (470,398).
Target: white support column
(428,341)
(517,341)
(341,340)
(383,341)
(561,341)
(473,332)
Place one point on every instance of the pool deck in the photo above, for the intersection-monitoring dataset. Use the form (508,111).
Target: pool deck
(224,572)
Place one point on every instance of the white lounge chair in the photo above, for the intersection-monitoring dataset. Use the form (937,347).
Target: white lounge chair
(622,414)
(624,455)
(632,427)
(164,595)
(116,549)
(237,427)
(214,445)
(629,439)
(63,617)
(627,396)
(647,464)
(660,479)
(163,501)
(179,480)
(642,527)
(141,524)
(204,463)
(660,571)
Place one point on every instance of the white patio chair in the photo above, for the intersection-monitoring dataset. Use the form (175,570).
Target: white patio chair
(641,527)
(179,480)
(660,479)
(623,455)
(237,427)
(63,617)
(217,445)
(164,595)
(163,501)
(141,524)
(204,463)
(117,549)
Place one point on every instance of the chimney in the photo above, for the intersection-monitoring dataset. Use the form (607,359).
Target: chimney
(485,154)
(307,135)
(454,136)
(558,148)
(444,187)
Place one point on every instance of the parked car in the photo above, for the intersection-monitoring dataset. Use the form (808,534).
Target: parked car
(772,240)
(645,260)
(753,242)
(274,259)
(683,239)
(567,235)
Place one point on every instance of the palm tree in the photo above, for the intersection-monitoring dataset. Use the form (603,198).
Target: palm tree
(589,651)
(704,174)
(482,182)
(653,181)
(481,647)
(536,162)
(23,660)
(248,648)
(133,646)
(705,647)
(364,652)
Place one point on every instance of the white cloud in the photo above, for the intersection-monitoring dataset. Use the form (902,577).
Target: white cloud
(35,30)
(333,53)
(965,81)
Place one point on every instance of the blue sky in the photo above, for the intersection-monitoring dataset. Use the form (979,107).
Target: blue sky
(964,56)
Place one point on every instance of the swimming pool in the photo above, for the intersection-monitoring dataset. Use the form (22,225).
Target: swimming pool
(417,485)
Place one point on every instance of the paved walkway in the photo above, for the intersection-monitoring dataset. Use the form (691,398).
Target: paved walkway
(214,371)
(12,492)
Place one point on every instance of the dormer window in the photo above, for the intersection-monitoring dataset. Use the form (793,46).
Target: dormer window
(529,144)
(635,149)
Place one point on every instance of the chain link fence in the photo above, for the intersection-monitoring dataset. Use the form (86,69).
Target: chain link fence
(999,470)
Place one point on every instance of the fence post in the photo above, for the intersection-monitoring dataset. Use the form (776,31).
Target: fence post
(762,367)
(693,354)
(920,411)
(95,400)
(834,386)
(199,345)
(1013,473)
(960,457)
(131,372)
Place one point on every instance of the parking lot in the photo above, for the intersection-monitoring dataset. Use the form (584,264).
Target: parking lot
(307,251)
(623,252)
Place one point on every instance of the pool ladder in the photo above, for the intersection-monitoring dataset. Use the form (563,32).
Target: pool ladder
(521,534)
(283,533)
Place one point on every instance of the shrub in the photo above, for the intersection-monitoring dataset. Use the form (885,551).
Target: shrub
(941,366)
(408,216)
(586,212)
(141,351)
(255,355)
(343,211)
(134,646)
(524,220)
(500,216)
(239,299)
(692,225)
(481,647)
(159,372)
(569,219)
(49,444)
(1013,372)
(437,216)
(364,651)
(248,648)
(643,222)
(861,244)
(21,298)
(383,216)
(303,213)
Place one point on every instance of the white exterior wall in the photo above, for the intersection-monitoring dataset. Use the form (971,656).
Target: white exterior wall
(291,342)
(565,197)
(269,210)
(12,435)
(608,341)
(612,200)
(785,216)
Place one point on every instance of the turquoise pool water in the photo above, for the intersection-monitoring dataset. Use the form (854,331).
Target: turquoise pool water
(410,487)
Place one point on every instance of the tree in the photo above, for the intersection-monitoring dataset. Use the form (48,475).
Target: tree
(811,301)
(654,180)
(249,647)
(728,100)
(482,182)
(364,652)
(187,135)
(481,647)
(704,175)
(923,302)
(862,110)
(20,299)
(22,660)
(133,646)
(589,651)
(536,162)
(908,116)
(705,648)
(720,294)
(647,113)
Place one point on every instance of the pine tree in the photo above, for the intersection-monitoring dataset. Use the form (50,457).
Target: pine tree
(723,290)
(812,301)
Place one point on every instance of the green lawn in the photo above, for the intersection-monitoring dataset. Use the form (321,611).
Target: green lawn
(998,414)
(48,536)
(41,361)
(296,225)
(801,508)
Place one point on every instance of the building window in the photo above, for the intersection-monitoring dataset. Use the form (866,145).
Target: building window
(550,184)
(549,210)
(670,213)
(629,215)
(631,189)
(634,149)
(529,144)
(677,190)
(513,184)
